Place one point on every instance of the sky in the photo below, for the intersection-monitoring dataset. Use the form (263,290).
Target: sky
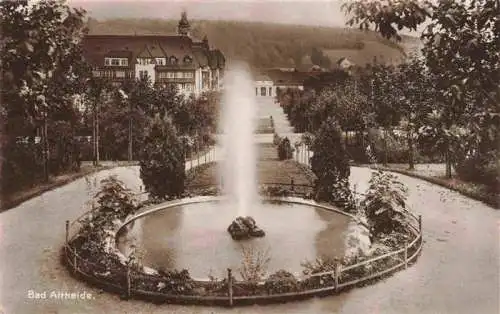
(317,12)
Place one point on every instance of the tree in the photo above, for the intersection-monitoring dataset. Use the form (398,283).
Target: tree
(385,204)
(97,94)
(162,160)
(41,71)
(330,164)
(409,89)
(458,30)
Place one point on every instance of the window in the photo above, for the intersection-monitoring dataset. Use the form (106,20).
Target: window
(116,61)
(263,91)
(170,74)
(173,60)
(187,59)
(162,74)
(160,61)
(188,75)
(120,74)
(270,91)
(96,73)
(143,74)
(179,74)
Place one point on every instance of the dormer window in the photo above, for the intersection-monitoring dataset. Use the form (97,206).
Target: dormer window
(116,61)
(173,60)
(188,60)
(145,61)
(160,61)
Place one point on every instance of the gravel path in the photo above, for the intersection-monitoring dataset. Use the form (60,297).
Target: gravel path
(456,273)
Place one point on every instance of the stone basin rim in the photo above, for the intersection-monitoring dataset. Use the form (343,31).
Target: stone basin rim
(205,199)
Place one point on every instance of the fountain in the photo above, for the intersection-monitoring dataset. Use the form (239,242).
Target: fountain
(174,236)
(238,170)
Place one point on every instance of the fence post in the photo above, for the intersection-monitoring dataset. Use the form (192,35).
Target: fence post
(406,254)
(75,266)
(336,274)
(67,231)
(230,286)
(128,280)
(420,224)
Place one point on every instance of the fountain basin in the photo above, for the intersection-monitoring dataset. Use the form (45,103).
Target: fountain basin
(192,234)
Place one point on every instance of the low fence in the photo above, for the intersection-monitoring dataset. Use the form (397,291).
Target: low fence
(270,188)
(123,278)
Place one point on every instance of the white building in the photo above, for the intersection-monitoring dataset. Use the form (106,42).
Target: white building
(177,59)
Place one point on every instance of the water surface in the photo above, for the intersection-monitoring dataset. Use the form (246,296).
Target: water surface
(194,237)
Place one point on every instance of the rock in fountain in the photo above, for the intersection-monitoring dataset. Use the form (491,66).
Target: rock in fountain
(244,228)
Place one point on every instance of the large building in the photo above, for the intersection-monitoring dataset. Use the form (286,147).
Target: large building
(166,59)
(269,81)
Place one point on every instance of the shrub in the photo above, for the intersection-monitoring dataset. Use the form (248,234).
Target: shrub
(330,162)
(174,281)
(480,168)
(254,263)
(281,281)
(285,150)
(162,160)
(384,204)
(276,139)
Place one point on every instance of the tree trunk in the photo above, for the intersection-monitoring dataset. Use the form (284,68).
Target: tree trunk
(411,161)
(385,147)
(45,150)
(447,158)
(130,136)
(97,157)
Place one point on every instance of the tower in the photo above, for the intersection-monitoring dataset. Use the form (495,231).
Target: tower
(183,28)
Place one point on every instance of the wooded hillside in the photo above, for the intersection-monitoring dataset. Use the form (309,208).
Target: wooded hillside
(270,45)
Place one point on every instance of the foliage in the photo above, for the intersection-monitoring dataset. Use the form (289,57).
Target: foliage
(254,263)
(114,198)
(114,201)
(42,75)
(162,160)
(276,139)
(467,93)
(281,281)
(319,265)
(330,163)
(387,15)
(385,204)
(285,150)
(174,281)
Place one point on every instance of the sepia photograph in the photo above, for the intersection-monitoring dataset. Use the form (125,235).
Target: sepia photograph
(250,156)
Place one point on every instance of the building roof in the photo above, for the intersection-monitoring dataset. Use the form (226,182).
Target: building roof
(262,78)
(280,77)
(96,47)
